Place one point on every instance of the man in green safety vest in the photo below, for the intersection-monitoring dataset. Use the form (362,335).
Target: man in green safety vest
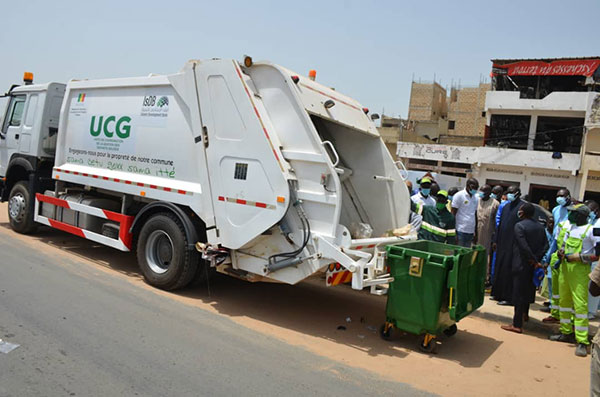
(438,223)
(575,244)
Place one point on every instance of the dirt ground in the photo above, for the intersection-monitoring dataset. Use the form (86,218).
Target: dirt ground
(480,358)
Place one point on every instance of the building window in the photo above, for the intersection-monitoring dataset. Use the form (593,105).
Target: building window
(508,131)
(451,124)
(559,134)
(483,114)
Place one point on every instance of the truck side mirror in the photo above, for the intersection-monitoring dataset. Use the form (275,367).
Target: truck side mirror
(374,116)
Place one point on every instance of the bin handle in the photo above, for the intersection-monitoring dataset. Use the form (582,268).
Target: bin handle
(450,300)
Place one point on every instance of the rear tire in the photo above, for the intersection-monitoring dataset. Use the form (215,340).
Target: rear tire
(162,253)
(20,213)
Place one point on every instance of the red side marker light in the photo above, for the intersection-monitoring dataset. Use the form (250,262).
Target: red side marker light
(366,110)
(295,79)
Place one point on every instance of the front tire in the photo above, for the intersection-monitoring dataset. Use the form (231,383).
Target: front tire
(162,253)
(20,213)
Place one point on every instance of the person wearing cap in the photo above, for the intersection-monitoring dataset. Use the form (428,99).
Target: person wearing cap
(438,223)
(575,244)
(424,196)
(464,207)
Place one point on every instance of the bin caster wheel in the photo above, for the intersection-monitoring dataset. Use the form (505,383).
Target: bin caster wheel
(451,330)
(385,331)
(427,343)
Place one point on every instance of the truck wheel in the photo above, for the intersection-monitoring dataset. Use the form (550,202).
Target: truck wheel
(162,253)
(20,214)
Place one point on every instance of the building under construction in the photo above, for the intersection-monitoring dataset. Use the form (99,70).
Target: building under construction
(457,118)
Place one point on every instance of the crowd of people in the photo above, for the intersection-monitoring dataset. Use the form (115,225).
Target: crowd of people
(525,244)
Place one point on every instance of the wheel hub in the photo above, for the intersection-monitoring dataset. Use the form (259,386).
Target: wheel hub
(16,207)
(159,251)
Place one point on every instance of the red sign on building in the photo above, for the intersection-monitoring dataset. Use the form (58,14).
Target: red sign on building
(575,67)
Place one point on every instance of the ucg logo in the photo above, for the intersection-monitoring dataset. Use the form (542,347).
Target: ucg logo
(122,127)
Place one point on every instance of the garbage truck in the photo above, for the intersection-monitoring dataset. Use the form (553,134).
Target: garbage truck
(245,168)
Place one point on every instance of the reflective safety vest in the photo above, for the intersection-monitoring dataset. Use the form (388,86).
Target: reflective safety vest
(437,225)
(570,244)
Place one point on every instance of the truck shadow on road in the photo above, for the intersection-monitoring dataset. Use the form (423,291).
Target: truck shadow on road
(338,314)
(313,309)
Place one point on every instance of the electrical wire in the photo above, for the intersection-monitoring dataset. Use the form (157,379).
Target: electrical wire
(305,240)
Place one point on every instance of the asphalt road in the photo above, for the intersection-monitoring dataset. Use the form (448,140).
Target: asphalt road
(87,332)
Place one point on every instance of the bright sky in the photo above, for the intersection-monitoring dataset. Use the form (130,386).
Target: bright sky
(368,50)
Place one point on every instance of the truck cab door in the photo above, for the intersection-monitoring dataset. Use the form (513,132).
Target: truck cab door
(11,130)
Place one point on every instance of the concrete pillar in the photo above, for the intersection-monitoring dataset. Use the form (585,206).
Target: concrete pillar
(532,129)
(583,174)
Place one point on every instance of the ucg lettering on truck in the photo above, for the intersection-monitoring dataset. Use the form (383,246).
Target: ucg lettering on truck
(122,126)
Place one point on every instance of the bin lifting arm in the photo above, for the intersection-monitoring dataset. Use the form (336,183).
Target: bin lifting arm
(373,263)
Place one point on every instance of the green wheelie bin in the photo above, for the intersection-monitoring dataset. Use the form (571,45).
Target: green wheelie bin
(435,285)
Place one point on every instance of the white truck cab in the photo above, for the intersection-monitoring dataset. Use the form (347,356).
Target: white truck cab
(28,136)
(30,125)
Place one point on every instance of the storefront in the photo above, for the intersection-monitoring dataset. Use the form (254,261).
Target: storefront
(535,183)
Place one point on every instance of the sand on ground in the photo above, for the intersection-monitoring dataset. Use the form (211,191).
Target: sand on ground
(480,358)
